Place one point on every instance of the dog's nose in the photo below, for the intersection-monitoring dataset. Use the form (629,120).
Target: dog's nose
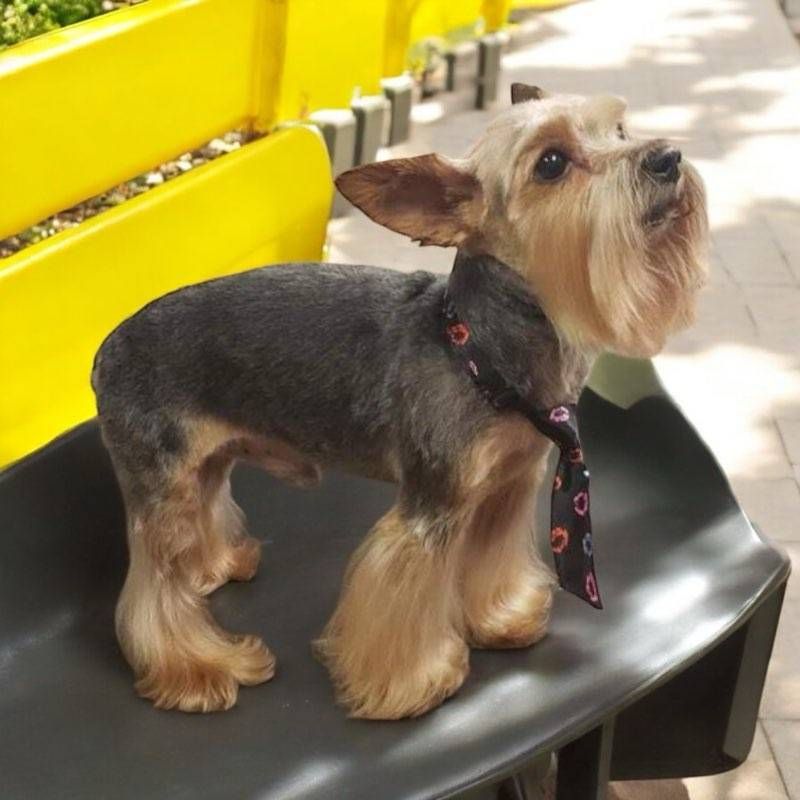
(662,164)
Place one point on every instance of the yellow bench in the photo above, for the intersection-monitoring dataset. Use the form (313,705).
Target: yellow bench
(411,21)
(495,14)
(443,18)
(543,4)
(94,104)
(333,52)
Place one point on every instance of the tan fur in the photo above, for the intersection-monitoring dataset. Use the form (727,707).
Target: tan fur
(182,546)
(607,280)
(506,588)
(395,645)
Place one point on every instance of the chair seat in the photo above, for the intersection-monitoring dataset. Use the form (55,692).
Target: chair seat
(679,568)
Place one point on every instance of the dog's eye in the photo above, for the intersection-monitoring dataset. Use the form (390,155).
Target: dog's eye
(551,165)
(621,131)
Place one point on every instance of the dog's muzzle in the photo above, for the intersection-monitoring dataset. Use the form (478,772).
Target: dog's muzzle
(663,164)
(661,171)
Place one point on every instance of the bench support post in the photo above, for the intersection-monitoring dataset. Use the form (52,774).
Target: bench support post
(489,50)
(398,90)
(584,765)
(372,115)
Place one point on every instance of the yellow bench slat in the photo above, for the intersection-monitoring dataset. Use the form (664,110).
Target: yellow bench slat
(441,17)
(93,104)
(410,21)
(333,51)
(267,202)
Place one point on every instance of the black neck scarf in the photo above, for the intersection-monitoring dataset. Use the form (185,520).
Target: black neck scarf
(500,335)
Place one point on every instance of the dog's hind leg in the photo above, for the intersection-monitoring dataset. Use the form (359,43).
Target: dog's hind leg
(394,646)
(224,551)
(180,656)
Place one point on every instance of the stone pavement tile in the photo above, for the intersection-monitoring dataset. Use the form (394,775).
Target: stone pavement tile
(451,134)
(727,390)
(756,161)
(718,275)
(356,239)
(784,222)
(760,749)
(784,736)
(754,780)
(648,790)
(783,341)
(772,505)
(790,432)
(764,105)
(781,698)
(722,316)
(774,308)
(751,256)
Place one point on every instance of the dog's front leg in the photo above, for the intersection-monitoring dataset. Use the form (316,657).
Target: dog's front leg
(394,646)
(507,589)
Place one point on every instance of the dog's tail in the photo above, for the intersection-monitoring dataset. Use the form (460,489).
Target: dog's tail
(93,378)
(96,375)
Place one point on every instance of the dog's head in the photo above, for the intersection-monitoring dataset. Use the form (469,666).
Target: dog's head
(609,230)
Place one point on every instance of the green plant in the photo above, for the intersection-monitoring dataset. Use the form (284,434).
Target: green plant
(21,19)
(68,11)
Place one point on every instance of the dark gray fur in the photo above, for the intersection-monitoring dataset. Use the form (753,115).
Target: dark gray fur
(349,364)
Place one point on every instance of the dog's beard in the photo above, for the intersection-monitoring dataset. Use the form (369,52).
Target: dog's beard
(647,255)
(614,259)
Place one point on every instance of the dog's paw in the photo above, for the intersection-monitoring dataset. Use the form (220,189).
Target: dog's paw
(206,686)
(238,563)
(388,692)
(251,662)
(245,558)
(512,621)
(303,475)
(190,687)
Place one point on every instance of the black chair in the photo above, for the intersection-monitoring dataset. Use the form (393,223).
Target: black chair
(665,682)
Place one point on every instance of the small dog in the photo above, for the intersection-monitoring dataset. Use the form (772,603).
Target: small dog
(301,367)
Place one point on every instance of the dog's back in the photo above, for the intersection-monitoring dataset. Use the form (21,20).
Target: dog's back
(239,347)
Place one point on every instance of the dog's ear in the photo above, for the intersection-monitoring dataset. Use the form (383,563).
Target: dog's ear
(429,198)
(520,92)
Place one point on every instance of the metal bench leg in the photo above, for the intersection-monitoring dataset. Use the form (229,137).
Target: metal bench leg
(584,765)
(489,51)
(528,783)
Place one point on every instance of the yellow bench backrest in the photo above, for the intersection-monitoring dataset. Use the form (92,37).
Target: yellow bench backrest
(440,17)
(410,21)
(89,106)
(333,50)
(86,107)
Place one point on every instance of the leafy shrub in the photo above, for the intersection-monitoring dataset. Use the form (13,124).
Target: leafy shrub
(68,11)
(21,19)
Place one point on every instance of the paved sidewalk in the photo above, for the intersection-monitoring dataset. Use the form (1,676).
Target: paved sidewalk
(724,75)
